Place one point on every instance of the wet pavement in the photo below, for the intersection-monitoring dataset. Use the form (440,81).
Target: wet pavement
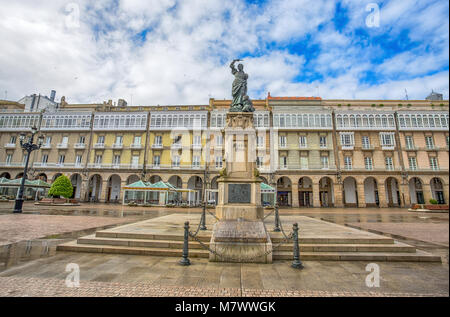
(34,257)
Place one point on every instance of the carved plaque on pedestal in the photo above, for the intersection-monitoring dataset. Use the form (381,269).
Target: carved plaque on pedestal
(239,193)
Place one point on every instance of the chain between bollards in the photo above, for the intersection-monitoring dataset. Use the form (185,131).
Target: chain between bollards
(296,264)
(185,260)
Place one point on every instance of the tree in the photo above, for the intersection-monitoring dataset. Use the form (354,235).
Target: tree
(62,186)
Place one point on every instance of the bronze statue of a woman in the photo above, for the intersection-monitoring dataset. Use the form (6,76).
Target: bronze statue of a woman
(241,102)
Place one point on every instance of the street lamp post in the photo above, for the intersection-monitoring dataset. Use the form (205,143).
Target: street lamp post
(29,147)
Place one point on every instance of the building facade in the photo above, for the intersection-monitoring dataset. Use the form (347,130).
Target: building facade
(317,153)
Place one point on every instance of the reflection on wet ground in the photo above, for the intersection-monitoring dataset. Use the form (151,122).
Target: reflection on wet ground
(17,253)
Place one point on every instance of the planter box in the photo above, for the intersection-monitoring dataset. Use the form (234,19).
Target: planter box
(430,207)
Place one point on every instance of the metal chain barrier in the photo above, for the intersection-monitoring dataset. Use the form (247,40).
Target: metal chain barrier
(270,213)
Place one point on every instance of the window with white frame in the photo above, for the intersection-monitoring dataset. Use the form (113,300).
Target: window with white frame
(412,162)
(434,163)
(324,162)
(219,162)
(135,161)
(115,121)
(347,139)
(98,159)
(368,163)
(218,140)
(260,141)
(389,163)
(323,141)
(283,162)
(158,140)
(259,161)
(348,162)
(302,141)
(311,120)
(13,139)
(65,140)
(196,161)
(137,140)
(48,140)
(116,160)
(156,160)
(8,159)
(78,160)
(176,161)
(119,140)
(197,140)
(61,159)
(44,159)
(365,142)
(429,142)
(21,122)
(101,139)
(447,140)
(82,139)
(409,141)
(387,139)
(282,141)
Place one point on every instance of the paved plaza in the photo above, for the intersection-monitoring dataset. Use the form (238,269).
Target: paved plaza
(139,275)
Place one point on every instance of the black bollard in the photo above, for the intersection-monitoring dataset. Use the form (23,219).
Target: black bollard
(296,264)
(185,260)
(277,220)
(203,218)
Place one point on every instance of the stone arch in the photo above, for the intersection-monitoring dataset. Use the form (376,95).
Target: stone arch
(132,179)
(326,193)
(155,179)
(20,175)
(113,190)
(305,192)
(264,180)
(214,184)
(42,177)
(284,191)
(371,196)
(5,175)
(437,190)
(196,183)
(392,192)
(350,194)
(56,176)
(95,188)
(176,181)
(415,186)
(76,181)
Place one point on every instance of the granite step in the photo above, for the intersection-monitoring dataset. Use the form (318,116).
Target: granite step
(173,244)
(275,239)
(147,236)
(73,246)
(418,256)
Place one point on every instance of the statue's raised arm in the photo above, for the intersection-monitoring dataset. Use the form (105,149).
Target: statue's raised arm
(233,68)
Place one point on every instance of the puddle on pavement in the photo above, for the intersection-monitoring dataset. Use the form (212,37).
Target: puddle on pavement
(24,251)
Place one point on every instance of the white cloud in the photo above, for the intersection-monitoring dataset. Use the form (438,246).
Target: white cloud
(189,44)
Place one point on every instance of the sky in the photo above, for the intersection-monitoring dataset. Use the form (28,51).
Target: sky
(158,52)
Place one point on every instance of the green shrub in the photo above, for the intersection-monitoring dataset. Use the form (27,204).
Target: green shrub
(433,201)
(62,186)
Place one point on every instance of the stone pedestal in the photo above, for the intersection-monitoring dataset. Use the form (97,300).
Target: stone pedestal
(240,235)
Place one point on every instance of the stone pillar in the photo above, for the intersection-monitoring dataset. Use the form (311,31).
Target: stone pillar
(294,195)
(404,193)
(84,190)
(382,195)
(445,188)
(184,195)
(316,195)
(104,197)
(122,192)
(427,195)
(338,195)
(361,195)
